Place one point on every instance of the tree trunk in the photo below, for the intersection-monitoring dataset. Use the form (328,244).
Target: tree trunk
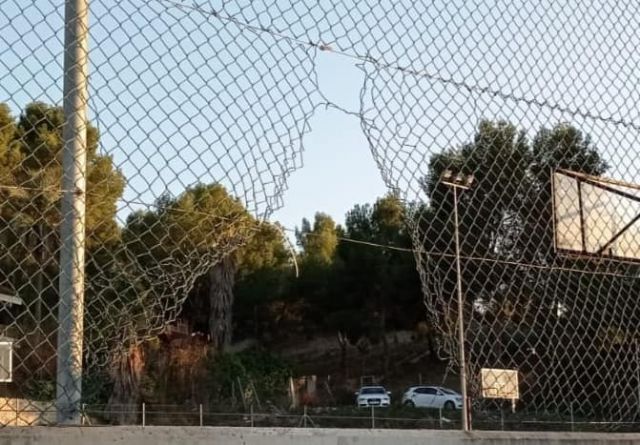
(385,343)
(344,343)
(221,281)
(40,247)
(124,401)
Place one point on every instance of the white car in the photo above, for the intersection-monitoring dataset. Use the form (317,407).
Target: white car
(432,397)
(373,396)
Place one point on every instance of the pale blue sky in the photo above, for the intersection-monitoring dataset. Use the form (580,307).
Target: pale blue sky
(182,96)
(339,170)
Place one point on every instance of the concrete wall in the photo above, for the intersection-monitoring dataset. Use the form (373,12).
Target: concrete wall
(281,436)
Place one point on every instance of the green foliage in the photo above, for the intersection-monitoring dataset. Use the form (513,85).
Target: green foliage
(342,287)
(180,237)
(31,149)
(202,219)
(264,270)
(31,171)
(380,279)
(507,215)
(507,211)
(267,372)
(320,241)
(361,290)
(96,388)
(264,251)
(40,389)
(38,134)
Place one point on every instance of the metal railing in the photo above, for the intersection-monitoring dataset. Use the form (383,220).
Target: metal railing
(199,415)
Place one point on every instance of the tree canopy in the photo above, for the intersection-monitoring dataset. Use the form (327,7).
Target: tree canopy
(30,185)
(357,279)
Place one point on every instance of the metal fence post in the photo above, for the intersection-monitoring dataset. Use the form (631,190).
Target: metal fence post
(144,414)
(304,417)
(440,417)
(201,417)
(72,231)
(572,419)
(373,417)
(251,411)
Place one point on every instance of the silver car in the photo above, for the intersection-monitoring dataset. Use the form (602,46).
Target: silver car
(432,397)
(373,396)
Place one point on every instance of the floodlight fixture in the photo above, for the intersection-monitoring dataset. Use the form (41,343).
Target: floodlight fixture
(456,180)
(469,181)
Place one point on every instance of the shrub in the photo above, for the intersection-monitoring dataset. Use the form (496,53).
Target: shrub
(40,389)
(267,372)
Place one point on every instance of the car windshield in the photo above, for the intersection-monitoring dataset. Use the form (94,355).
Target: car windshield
(448,391)
(377,390)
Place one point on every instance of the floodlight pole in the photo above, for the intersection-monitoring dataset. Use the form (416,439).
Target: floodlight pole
(462,182)
(463,362)
(72,231)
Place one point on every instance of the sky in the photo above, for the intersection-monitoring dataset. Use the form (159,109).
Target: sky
(141,98)
(339,169)
(182,96)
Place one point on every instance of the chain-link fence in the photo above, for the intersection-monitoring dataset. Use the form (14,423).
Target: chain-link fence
(143,141)
(189,141)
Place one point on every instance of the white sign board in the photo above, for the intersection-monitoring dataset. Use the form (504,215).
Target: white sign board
(499,383)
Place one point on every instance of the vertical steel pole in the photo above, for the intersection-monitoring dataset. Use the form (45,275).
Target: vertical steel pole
(637,360)
(304,417)
(72,232)
(463,363)
(572,419)
(373,417)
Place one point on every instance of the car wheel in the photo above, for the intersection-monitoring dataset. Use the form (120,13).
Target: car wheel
(449,405)
(410,404)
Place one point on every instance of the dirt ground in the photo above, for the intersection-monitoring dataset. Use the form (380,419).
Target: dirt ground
(409,362)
